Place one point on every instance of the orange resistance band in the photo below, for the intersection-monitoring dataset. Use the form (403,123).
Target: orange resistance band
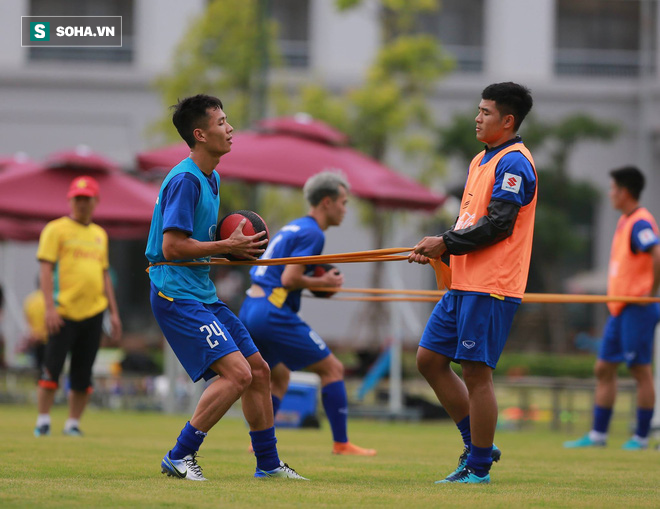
(374,255)
(434,296)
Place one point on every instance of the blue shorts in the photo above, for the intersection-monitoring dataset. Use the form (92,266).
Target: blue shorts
(471,327)
(281,335)
(199,333)
(629,336)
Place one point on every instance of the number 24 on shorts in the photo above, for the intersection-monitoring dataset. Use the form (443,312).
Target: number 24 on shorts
(213,329)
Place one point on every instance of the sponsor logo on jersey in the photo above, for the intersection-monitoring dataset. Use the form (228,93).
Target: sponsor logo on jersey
(511,183)
(646,237)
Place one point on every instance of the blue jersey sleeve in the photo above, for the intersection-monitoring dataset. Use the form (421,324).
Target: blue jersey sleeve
(308,243)
(180,197)
(642,237)
(515,180)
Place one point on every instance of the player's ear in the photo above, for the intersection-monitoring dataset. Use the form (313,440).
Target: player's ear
(199,135)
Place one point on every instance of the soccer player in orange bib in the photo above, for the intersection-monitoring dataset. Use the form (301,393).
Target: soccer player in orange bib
(628,336)
(490,246)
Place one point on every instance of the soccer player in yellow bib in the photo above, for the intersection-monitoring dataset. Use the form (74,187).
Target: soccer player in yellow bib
(74,278)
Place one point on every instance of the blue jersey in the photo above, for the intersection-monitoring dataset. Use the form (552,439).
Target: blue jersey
(642,237)
(188,201)
(301,237)
(512,164)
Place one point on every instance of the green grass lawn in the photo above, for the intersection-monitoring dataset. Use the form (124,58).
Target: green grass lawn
(117,464)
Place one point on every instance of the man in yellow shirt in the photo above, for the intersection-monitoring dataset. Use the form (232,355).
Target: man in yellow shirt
(74,278)
(34,309)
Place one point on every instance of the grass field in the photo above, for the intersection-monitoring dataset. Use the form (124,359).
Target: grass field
(117,465)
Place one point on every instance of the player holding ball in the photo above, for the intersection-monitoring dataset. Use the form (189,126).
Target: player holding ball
(270,311)
(207,338)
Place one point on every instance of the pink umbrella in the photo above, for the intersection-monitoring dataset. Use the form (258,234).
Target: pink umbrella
(290,150)
(33,194)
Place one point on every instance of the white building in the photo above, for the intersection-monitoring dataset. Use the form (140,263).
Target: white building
(598,57)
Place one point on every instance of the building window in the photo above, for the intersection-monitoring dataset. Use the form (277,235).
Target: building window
(605,37)
(292,17)
(459,26)
(123,8)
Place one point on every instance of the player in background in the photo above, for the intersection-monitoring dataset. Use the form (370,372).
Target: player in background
(207,338)
(634,271)
(490,247)
(270,311)
(77,289)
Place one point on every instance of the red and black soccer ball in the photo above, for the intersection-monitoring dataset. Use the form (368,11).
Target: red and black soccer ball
(318,271)
(255,224)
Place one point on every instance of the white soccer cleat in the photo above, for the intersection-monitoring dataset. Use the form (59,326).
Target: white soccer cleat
(284,471)
(186,468)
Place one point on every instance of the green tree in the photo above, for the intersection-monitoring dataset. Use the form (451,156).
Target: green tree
(563,232)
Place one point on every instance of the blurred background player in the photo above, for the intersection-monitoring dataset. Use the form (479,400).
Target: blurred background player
(490,247)
(77,289)
(270,311)
(207,338)
(629,332)
(34,309)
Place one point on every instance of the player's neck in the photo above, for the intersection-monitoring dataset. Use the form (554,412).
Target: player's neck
(205,161)
(85,221)
(319,217)
(629,207)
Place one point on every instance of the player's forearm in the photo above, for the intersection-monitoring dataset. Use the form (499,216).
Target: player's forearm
(182,249)
(46,283)
(488,230)
(110,294)
(656,270)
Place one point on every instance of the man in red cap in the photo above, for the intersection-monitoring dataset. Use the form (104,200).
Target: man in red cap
(74,278)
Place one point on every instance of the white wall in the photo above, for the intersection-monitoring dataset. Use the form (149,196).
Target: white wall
(519,40)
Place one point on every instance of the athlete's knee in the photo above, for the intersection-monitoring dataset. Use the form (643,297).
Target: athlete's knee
(279,380)
(642,373)
(477,375)
(329,369)
(605,371)
(260,372)
(335,368)
(430,363)
(240,377)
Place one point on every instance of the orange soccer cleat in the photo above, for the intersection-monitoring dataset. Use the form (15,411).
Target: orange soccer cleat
(349,449)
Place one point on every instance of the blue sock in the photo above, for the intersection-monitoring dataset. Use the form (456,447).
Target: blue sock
(602,418)
(464,427)
(189,441)
(644,416)
(335,404)
(263,444)
(480,459)
(276,403)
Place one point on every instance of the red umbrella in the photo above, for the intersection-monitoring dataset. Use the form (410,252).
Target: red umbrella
(290,150)
(18,158)
(34,194)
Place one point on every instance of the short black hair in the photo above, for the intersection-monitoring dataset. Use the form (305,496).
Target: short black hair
(510,99)
(630,178)
(191,113)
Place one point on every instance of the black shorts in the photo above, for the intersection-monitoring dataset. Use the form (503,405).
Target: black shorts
(81,338)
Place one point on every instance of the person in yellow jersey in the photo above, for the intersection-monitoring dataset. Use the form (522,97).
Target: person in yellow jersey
(34,309)
(74,278)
